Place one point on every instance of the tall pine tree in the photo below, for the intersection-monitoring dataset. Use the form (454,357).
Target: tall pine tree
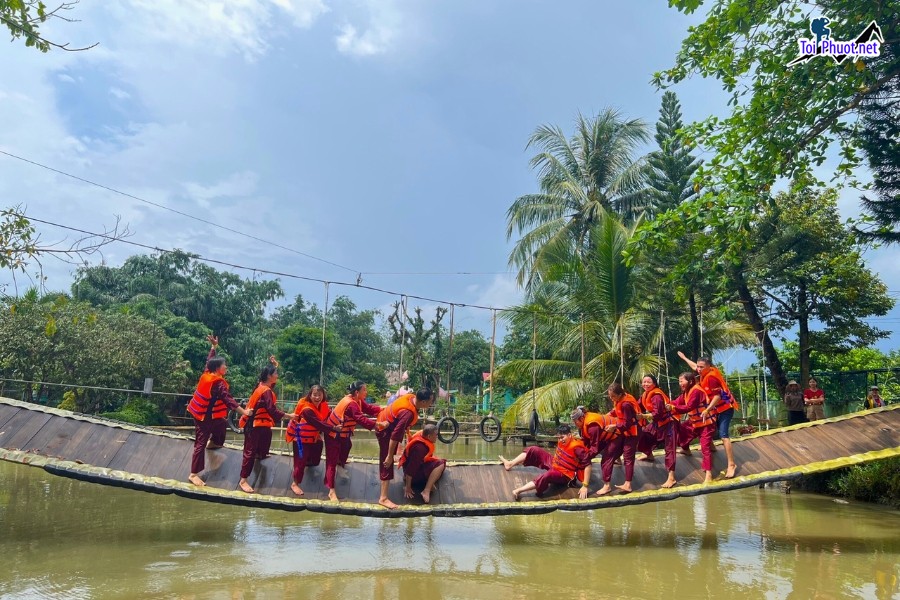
(672,166)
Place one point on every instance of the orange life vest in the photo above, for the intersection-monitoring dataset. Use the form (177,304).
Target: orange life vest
(694,416)
(602,421)
(261,416)
(418,438)
(648,406)
(336,417)
(620,414)
(728,400)
(390,412)
(307,433)
(565,461)
(199,404)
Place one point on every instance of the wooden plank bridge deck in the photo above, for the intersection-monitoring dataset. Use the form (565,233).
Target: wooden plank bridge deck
(111,453)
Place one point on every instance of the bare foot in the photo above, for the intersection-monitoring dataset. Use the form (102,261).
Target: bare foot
(603,491)
(708,478)
(649,459)
(685,451)
(624,488)
(246,486)
(342,472)
(211,446)
(296,489)
(195,479)
(729,473)
(332,495)
(516,496)
(426,497)
(386,502)
(670,483)
(506,465)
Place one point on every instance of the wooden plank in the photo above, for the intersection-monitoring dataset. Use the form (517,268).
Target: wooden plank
(7,412)
(139,454)
(47,435)
(23,427)
(68,433)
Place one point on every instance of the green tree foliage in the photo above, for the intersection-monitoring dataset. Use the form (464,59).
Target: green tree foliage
(24,17)
(810,269)
(880,140)
(471,357)
(225,303)
(299,349)
(783,119)
(56,340)
(580,178)
(423,345)
(619,334)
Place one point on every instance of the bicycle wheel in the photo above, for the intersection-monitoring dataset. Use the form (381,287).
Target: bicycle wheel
(233,420)
(490,429)
(448,430)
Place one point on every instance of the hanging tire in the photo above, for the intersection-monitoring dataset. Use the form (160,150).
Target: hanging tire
(490,429)
(233,421)
(448,429)
(534,424)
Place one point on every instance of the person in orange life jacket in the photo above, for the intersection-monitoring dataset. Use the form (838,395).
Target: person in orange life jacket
(692,402)
(402,414)
(722,403)
(661,426)
(349,412)
(258,427)
(421,469)
(626,410)
(592,429)
(569,464)
(305,435)
(209,406)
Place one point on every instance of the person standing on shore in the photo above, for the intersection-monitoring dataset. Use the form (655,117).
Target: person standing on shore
(814,398)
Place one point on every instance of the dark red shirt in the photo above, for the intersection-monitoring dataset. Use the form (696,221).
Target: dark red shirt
(696,399)
(219,389)
(267,401)
(355,413)
(630,419)
(398,428)
(310,416)
(594,432)
(415,458)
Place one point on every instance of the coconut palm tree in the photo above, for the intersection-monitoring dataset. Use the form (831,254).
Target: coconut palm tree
(580,178)
(596,300)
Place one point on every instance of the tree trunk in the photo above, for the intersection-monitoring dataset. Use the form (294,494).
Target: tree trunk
(803,322)
(759,327)
(695,326)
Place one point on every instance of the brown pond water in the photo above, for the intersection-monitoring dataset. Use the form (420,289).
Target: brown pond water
(65,539)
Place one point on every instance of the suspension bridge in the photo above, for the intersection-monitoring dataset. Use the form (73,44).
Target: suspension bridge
(112,453)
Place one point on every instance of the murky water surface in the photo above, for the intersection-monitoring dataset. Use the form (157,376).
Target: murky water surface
(65,539)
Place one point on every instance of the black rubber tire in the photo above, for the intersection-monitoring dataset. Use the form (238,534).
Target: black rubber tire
(534,424)
(448,429)
(490,429)
(233,420)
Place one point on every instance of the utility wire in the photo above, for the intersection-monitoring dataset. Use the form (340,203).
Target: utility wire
(177,212)
(283,274)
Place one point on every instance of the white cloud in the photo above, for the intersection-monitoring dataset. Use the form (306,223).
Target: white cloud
(222,26)
(501,292)
(384,24)
(65,78)
(119,93)
(236,185)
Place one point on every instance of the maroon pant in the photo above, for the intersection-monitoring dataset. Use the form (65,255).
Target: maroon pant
(384,443)
(652,435)
(203,431)
(706,435)
(337,450)
(420,477)
(257,441)
(540,458)
(621,446)
(312,456)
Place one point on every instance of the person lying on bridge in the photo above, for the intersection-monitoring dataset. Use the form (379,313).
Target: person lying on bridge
(421,468)
(562,469)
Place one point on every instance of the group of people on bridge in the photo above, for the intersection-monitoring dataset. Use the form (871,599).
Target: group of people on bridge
(314,424)
(632,426)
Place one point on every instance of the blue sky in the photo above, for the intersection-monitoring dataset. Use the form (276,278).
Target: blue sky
(385,136)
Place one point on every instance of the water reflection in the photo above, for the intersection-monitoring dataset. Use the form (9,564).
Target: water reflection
(66,539)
